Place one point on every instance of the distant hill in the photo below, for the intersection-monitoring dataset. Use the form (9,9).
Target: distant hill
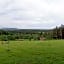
(25,30)
(9,29)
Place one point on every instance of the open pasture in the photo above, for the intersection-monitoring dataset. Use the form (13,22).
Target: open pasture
(32,52)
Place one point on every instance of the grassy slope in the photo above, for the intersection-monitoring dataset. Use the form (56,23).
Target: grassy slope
(32,52)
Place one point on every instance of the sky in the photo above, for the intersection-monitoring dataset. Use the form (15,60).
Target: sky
(31,14)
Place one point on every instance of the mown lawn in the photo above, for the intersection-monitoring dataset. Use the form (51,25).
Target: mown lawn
(32,52)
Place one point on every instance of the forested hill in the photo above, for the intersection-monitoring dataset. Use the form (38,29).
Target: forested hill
(24,30)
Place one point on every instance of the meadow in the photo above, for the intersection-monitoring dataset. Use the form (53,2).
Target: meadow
(32,52)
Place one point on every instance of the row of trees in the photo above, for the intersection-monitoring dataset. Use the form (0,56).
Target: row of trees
(15,35)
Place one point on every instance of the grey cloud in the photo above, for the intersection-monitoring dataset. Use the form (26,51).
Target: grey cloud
(32,14)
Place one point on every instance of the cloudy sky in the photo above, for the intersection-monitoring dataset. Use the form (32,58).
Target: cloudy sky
(31,14)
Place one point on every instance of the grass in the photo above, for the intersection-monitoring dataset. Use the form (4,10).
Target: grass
(32,52)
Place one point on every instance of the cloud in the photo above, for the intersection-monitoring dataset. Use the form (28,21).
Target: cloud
(31,13)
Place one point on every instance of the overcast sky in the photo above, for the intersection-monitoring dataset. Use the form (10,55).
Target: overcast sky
(31,14)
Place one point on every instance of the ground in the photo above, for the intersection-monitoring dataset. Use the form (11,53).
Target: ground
(32,52)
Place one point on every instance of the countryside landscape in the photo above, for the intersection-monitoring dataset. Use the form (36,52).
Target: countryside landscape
(29,46)
(31,31)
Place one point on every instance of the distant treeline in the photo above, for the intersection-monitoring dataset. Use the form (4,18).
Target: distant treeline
(28,34)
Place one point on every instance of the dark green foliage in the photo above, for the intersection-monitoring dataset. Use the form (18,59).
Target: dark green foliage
(19,35)
(4,38)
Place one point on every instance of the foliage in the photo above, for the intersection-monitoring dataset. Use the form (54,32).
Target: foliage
(16,35)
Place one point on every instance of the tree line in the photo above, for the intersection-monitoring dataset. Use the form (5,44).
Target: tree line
(25,35)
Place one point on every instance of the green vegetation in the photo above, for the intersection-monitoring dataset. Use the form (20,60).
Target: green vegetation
(6,35)
(32,52)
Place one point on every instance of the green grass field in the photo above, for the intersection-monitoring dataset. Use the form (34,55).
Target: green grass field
(32,52)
